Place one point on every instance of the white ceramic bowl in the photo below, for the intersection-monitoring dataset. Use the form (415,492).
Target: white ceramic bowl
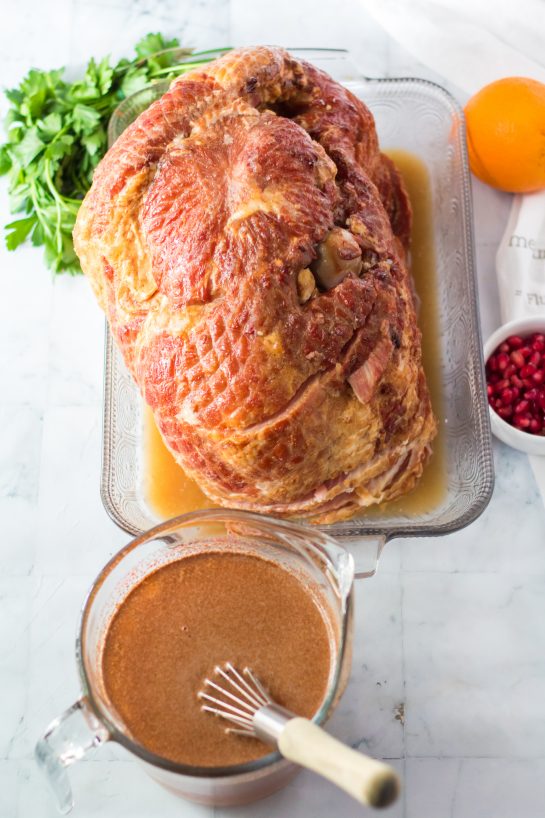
(523,441)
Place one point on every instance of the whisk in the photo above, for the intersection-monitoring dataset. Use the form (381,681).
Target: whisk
(242,700)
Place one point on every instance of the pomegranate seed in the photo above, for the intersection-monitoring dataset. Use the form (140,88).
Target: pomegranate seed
(516,357)
(535,425)
(501,385)
(504,347)
(531,394)
(505,412)
(490,390)
(535,358)
(503,360)
(538,336)
(538,377)
(516,392)
(507,397)
(515,341)
(541,400)
(539,346)
(522,407)
(521,421)
(527,371)
(516,381)
(509,371)
(525,352)
(527,382)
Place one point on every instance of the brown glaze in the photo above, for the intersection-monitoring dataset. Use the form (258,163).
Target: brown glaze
(187,616)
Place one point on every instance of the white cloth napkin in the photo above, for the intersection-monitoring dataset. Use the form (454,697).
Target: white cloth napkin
(520,264)
(520,261)
(469,42)
(472,43)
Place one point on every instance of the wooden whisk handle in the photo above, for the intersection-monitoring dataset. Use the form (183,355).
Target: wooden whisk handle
(369,781)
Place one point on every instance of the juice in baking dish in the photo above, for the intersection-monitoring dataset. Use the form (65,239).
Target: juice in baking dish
(168,491)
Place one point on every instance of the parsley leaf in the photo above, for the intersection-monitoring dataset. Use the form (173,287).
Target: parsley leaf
(28,148)
(50,124)
(5,161)
(59,147)
(134,80)
(18,231)
(95,142)
(85,119)
(152,43)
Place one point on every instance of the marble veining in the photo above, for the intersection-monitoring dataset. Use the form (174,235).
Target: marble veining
(448,677)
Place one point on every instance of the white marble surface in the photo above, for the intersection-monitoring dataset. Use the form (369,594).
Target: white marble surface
(449,668)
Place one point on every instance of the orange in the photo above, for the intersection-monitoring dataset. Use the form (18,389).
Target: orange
(506,134)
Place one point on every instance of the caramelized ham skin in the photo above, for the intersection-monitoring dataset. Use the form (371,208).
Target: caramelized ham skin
(274,395)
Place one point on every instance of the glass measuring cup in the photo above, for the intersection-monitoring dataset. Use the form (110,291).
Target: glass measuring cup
(319,561)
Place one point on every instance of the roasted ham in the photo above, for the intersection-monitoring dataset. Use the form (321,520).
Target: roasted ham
(247,240)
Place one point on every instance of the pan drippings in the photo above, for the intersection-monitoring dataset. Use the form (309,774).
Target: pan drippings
(186,616)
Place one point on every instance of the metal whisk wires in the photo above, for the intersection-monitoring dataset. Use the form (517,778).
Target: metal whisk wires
(242,695)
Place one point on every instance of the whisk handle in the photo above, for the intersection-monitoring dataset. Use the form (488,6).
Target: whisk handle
(370,782)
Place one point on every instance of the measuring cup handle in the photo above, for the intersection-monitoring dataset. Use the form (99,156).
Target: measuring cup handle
(65,741)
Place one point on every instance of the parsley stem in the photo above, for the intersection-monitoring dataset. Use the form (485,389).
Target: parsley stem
(38,210)
(221,50)
(181,68)
(58,204)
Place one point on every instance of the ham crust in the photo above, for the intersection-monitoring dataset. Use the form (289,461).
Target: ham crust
(199,237)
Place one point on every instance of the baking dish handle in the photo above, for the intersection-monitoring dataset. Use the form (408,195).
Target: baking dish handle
(366,552)
(67,739)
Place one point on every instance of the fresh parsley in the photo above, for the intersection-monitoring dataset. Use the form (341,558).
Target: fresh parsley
(57,134)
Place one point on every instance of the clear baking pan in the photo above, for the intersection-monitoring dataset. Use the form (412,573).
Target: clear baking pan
(422,118)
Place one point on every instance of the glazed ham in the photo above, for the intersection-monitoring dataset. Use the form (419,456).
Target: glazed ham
(247,241)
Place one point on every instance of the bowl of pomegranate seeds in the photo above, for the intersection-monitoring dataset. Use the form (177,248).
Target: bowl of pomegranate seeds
(515,378)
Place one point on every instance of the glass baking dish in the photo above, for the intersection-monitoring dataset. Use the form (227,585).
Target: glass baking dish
(423,119)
